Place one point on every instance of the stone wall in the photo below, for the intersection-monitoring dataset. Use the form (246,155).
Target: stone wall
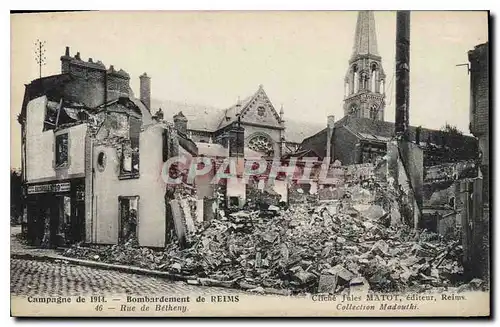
(87,85)
(273,135)
(344,146)
(40,146)
(103,225)
(359,172)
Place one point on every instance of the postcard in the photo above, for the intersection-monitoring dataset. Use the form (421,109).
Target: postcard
(250,164)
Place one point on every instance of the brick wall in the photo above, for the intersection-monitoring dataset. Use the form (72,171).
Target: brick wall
(118,85)
(317,143)
(479,71)
(89,81)
(359,172)
(87,86)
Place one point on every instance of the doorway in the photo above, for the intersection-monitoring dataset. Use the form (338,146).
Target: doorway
(128,219)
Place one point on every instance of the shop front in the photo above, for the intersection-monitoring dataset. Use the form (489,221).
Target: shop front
(56,212)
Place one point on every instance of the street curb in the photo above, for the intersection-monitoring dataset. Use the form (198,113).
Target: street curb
(106,266)
(191,280)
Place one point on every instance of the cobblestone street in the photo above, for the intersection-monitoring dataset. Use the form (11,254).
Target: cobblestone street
(59,278)
(41,278)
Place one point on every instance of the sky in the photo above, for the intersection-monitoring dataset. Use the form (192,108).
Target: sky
(212,58)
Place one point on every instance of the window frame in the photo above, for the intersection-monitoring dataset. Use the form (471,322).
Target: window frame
(135,155)
(65,163)
(129,174)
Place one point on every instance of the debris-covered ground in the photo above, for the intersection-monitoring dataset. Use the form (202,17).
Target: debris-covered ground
(310,247)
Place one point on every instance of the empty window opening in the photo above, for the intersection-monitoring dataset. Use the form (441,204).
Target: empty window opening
(61,150)
(101,161)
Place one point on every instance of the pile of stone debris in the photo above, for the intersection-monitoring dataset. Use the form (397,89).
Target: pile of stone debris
(315,247)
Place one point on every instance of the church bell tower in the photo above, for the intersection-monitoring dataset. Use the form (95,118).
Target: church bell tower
(364,91)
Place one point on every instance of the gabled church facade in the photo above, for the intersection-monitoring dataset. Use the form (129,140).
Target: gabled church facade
(264,126)
(266,131)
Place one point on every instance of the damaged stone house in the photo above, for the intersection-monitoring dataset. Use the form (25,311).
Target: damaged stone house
(229,146)
(249,129)
(92,156)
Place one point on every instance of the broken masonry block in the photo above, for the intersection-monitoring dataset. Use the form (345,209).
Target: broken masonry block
(176,267)
(341,240)
(344,275)
(247,286)
(359,285)
(327,283)
(303,277)
(258,260)
(265,263)
(374,212)
(380,248)
(269,237)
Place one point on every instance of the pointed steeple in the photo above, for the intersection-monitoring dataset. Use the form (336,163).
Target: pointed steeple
(364,89)
(365,38)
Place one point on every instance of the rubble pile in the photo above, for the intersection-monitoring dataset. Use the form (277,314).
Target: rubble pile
(306,248)
(301,194)
(262,199)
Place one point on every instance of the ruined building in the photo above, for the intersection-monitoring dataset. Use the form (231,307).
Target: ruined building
(480,106)
(362,134)
(476,193)
(92,156)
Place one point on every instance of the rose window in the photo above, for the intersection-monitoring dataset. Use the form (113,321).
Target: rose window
(261,144)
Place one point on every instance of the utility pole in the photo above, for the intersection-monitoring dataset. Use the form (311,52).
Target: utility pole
(40,55)
(402,75)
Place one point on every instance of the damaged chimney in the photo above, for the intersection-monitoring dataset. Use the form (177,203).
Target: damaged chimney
(180,122)
(329,133)
(65,61)
(145,90)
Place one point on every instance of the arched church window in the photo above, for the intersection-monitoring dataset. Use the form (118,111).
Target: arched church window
(373,111)
(355,78)
(374,78)
(354,110)
(364,80)
(261,143)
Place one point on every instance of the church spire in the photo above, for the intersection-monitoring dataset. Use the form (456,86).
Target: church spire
(365,38)
(364,89)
